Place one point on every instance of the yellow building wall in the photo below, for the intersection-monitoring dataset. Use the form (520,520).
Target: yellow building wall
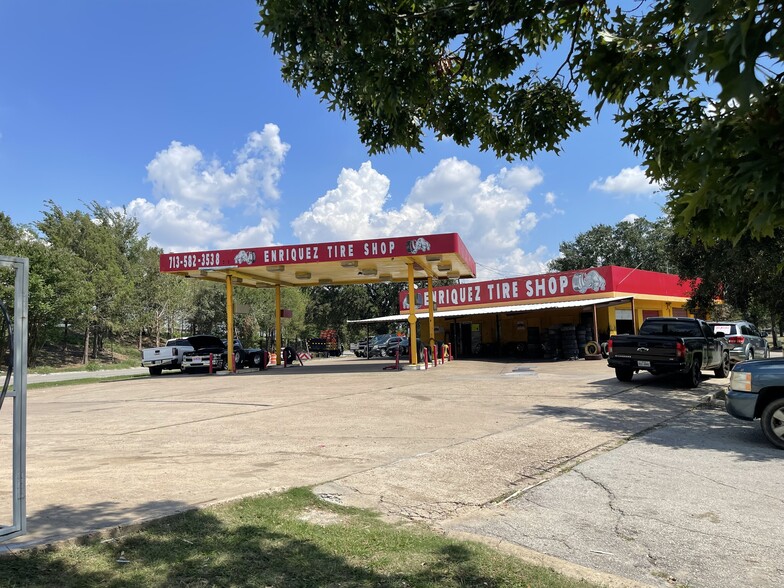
(515,327)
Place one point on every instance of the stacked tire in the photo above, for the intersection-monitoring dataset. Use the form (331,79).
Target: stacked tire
(584,335)
(553,342)
(534,348)
(569,342)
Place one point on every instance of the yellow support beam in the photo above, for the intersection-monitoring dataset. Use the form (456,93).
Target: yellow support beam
(230,323)
(431,319)
(278,337)
(412,314)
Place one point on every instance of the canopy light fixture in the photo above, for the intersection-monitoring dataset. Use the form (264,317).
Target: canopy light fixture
(445,266)
(302,275)
(453,274)
(433,257)
(385,277)
(418,268)
(325,280)
(349,263)
(275,268)
(368,271)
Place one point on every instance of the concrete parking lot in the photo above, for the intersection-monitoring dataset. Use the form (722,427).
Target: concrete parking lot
(466,447)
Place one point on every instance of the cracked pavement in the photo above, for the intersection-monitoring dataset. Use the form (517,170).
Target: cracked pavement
(524,456)
(695,503)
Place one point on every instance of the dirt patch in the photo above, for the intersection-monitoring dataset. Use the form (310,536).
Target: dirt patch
(321,517)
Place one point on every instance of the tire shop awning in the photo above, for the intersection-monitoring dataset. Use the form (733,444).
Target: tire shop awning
(511,309)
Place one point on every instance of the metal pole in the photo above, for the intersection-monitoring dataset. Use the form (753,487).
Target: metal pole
(278,336)
(18,395)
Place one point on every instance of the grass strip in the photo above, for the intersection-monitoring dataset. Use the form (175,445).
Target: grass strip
(60,383)
(288,540)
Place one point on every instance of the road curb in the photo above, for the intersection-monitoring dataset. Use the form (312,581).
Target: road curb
(560,566)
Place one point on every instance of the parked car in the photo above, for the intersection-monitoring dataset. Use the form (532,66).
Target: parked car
(744,340)
(169,357)
(397,345)
(206,349)
(244,356)
(676,345)
(378,345)
(756,391)
(362,347)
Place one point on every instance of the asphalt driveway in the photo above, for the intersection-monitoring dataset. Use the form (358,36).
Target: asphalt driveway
(464,447)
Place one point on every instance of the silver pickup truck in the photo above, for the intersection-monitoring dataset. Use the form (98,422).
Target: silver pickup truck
(169,357)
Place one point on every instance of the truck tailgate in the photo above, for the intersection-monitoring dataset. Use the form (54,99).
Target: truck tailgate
(653,349)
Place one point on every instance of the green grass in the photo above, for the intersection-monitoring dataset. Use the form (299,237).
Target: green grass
(92,366)
(60,383)
(288,540)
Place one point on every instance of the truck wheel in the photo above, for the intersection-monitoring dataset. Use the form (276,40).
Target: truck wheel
(724,370)
(694,376)
(256,360)
(750,354)
(624,374)
(773,422)
(156,371)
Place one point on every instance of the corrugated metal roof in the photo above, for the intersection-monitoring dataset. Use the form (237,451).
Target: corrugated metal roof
(516,308)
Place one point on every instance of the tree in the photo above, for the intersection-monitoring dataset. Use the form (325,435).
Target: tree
(697,85)
(105,248)
(56,282)
(745,275)
(640,243)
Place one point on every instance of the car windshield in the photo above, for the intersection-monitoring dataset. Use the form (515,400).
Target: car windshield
(674,328)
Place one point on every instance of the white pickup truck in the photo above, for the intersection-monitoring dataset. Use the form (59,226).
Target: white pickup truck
(157,359)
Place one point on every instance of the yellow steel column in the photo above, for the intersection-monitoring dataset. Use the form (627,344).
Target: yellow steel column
(230,324)
(412,314)
(278,337)
(431,320)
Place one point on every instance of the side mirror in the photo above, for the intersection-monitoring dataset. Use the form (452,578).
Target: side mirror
(763,333)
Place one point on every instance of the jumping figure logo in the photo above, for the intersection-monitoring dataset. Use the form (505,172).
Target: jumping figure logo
(418,245)
(245,257)
(591,280)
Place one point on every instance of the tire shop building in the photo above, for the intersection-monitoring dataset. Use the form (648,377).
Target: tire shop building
(549,316)
(417,258)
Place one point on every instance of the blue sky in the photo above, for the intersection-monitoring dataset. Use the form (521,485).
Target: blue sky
(176,110)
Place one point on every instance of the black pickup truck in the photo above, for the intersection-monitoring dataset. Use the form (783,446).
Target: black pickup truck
(670,345)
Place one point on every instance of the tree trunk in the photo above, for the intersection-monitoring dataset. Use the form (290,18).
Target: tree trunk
(773,330)
(157,330)
(65,343)
(139,347)
(86,354)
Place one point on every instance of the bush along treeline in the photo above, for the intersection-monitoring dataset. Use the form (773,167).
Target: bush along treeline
(95,283)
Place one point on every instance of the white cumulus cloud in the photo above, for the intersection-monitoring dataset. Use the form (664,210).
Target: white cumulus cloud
(631,181)
(192,194)
(491,214)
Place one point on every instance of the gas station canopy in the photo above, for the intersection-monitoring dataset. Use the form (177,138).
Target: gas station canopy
(342,262)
